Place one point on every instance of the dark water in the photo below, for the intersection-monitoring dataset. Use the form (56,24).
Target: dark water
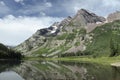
(57,70)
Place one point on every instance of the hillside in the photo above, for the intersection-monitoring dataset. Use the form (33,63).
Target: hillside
(6,53)
(83,34)
(104,38)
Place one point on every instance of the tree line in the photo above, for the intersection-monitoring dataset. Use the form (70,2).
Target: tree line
(7,53)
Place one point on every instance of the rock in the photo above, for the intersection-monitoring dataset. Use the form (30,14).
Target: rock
(83,17)
(113,16)
(65,21)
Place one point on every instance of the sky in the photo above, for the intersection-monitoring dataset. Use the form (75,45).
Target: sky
(19,19)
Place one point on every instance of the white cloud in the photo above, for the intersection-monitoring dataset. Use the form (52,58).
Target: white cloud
(2,3)
(42,14)
(18,1)
(111,3)
(37,8)
(48,4)
(15,30)
(100,7)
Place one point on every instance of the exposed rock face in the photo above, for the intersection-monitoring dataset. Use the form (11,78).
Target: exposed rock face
(66,21)
(41,36)
(68,35)
(31,43)
(83,17)
(114,16)
(38,39)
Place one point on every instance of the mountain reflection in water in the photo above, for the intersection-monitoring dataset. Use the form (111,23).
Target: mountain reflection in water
(58,70)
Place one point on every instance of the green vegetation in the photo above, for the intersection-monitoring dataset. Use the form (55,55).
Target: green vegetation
(105,41)
(67,36)
(41,51)
(6,53)
(101,43)
(113,48)
(77,43)
(82,31)
(70,36)
(76,54)
(62,37)
(100,60)
(90,59)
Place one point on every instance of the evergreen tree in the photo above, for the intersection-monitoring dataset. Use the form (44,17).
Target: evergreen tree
(113,48)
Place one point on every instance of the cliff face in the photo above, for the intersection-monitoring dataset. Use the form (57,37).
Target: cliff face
(68,36)
(113,16)
(83,17)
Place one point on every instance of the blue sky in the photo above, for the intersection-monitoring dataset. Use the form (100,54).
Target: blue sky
(19,19)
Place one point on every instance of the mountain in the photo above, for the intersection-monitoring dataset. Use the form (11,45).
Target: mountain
(105,40)
(113,16)
(72,36)
(83,17)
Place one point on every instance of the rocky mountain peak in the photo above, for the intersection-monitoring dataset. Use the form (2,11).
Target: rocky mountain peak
(82,11)
(113,16)
(65,21)
(83,17)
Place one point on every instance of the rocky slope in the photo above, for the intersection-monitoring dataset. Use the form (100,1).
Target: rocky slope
(68,36)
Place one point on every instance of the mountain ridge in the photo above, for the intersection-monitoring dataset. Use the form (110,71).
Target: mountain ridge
(66,36)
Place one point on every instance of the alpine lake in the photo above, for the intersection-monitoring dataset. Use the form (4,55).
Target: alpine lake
(56,70)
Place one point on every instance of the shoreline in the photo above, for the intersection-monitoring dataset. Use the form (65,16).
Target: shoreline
(113,61)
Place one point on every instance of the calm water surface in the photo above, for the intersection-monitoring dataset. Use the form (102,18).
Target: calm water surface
(56,70)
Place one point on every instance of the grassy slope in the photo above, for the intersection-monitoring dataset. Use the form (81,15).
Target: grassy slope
(68,37)
(102,36)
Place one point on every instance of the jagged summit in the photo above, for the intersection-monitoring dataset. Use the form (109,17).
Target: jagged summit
(83,17)
(113,16)
(83,11)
